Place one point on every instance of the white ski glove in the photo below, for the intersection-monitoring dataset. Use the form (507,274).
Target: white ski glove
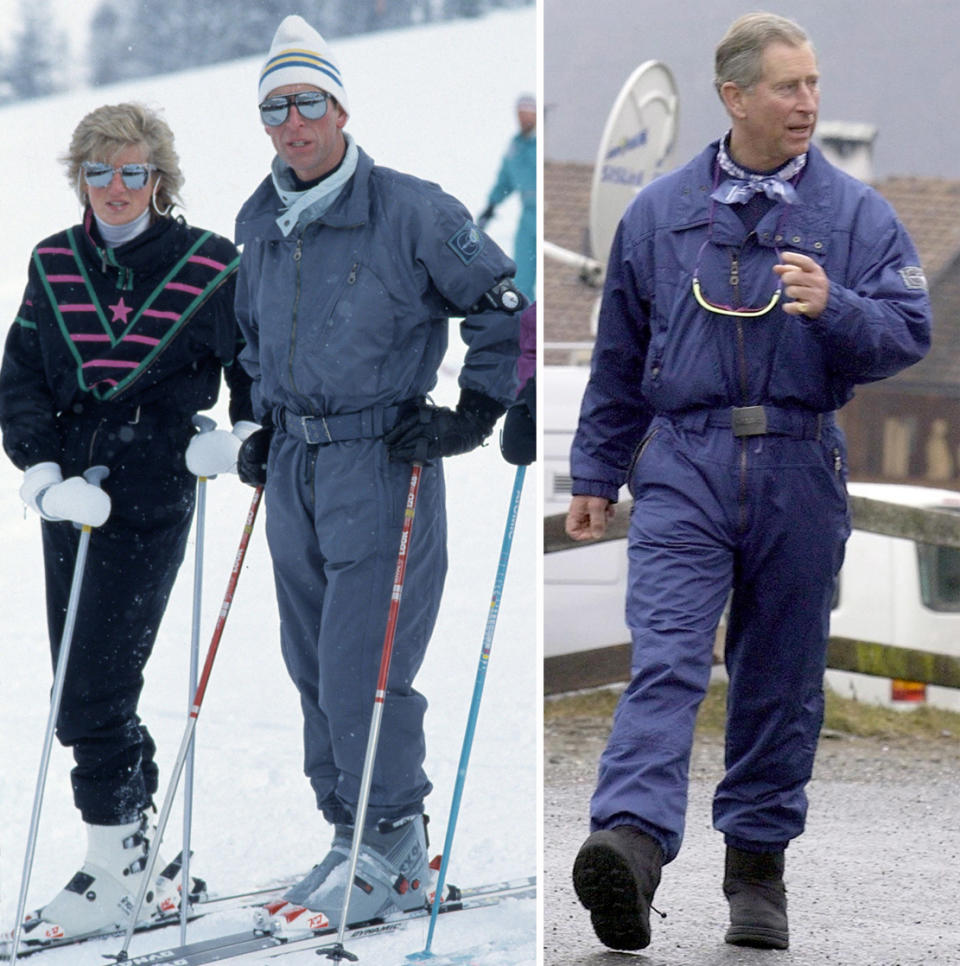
(37,479)
(73,499)
(215,451)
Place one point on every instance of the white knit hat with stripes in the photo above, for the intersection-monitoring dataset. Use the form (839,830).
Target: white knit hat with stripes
(299,55)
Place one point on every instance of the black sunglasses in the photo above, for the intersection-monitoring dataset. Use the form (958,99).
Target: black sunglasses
(311,104)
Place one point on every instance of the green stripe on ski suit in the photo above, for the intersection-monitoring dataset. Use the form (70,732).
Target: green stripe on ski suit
(122,384)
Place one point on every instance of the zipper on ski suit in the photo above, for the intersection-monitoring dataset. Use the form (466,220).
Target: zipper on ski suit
(297,261)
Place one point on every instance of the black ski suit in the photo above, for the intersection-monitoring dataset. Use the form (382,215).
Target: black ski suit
(111,353)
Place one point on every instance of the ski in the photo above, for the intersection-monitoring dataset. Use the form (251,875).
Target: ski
(266,946)
(200,907)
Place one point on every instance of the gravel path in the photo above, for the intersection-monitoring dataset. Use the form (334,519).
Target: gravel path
(874,881)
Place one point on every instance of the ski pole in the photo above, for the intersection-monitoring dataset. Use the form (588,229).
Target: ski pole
(122,956)
(336,950)
(204,424)
(95,475)
(474,707)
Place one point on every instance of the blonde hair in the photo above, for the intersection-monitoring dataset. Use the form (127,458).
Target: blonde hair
(739,56)
(106,131)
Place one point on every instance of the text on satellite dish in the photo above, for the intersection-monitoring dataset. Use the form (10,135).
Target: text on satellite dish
(620,175)
(627,144)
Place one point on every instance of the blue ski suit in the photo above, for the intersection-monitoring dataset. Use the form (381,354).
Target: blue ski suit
(518,172)
(346,317)
(723,429)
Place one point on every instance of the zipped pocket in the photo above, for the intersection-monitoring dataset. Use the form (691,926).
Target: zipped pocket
(637,453)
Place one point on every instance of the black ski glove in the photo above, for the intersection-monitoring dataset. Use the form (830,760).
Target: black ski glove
(252,456)
(424,432)
(483,219)
(518,439)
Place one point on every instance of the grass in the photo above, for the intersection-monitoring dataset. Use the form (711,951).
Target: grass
(843,714)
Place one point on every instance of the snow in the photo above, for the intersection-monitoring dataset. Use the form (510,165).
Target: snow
(436,101)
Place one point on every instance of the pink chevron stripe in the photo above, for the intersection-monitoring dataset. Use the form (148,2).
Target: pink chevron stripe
(110,364)
(88,337)
(64,278)
(183,287)
(145,339)
(77,307)
(153,313)
(203,260)
(54,251)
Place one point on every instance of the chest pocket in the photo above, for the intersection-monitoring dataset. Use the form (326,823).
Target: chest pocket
(344,360)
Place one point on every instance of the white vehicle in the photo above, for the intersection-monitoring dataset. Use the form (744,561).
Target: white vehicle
(890,591)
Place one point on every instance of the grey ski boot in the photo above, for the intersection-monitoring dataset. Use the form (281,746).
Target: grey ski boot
(615,875)
(392,876)
(753,885)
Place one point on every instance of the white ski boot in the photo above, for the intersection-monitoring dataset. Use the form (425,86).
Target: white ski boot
(100,898)
(392,877)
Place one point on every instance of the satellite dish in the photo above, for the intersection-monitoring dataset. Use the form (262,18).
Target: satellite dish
(637,142)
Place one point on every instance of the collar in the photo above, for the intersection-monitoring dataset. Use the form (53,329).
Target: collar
(806,225)
(788,172)
(305,206)
(147,254)
(116,235)
(258,216)
(743,184)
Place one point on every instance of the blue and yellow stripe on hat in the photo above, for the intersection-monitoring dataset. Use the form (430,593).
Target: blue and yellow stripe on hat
(301,58)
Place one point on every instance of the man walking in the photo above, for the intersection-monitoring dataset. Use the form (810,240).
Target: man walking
(747,294)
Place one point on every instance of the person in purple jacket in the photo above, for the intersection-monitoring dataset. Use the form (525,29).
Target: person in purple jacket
(747,294)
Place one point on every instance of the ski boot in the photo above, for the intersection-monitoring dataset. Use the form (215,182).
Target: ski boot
(100,898)
(392,877)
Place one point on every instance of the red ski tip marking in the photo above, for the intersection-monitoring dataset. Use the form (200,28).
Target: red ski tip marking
(436,862)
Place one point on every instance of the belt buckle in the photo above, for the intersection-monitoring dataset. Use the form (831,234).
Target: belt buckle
(749,420)
(307,424)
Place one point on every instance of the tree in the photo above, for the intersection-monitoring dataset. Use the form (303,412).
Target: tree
(33,69)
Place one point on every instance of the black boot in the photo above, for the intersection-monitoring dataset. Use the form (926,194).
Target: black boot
(753,885)
(615,876)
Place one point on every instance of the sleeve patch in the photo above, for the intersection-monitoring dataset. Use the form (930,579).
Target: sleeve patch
(467,242)
(913,277)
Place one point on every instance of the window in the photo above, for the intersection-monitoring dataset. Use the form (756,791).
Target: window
(939,576)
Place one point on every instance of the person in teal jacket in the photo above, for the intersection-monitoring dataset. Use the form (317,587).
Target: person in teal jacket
(518,172)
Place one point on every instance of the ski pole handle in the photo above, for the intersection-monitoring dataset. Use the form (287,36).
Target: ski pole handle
(96,474)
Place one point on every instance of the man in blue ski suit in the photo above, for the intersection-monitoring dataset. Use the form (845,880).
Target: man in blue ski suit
(518,172)
(349,274)
(747,293)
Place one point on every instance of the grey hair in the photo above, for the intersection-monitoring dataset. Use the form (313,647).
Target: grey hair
(106,131)
(739,57)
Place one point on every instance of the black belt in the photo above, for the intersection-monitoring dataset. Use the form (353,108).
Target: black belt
(370,423)
(757,421)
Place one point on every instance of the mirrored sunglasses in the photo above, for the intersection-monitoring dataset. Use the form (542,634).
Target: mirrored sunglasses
(719,308)
(312,105)
(99,175)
